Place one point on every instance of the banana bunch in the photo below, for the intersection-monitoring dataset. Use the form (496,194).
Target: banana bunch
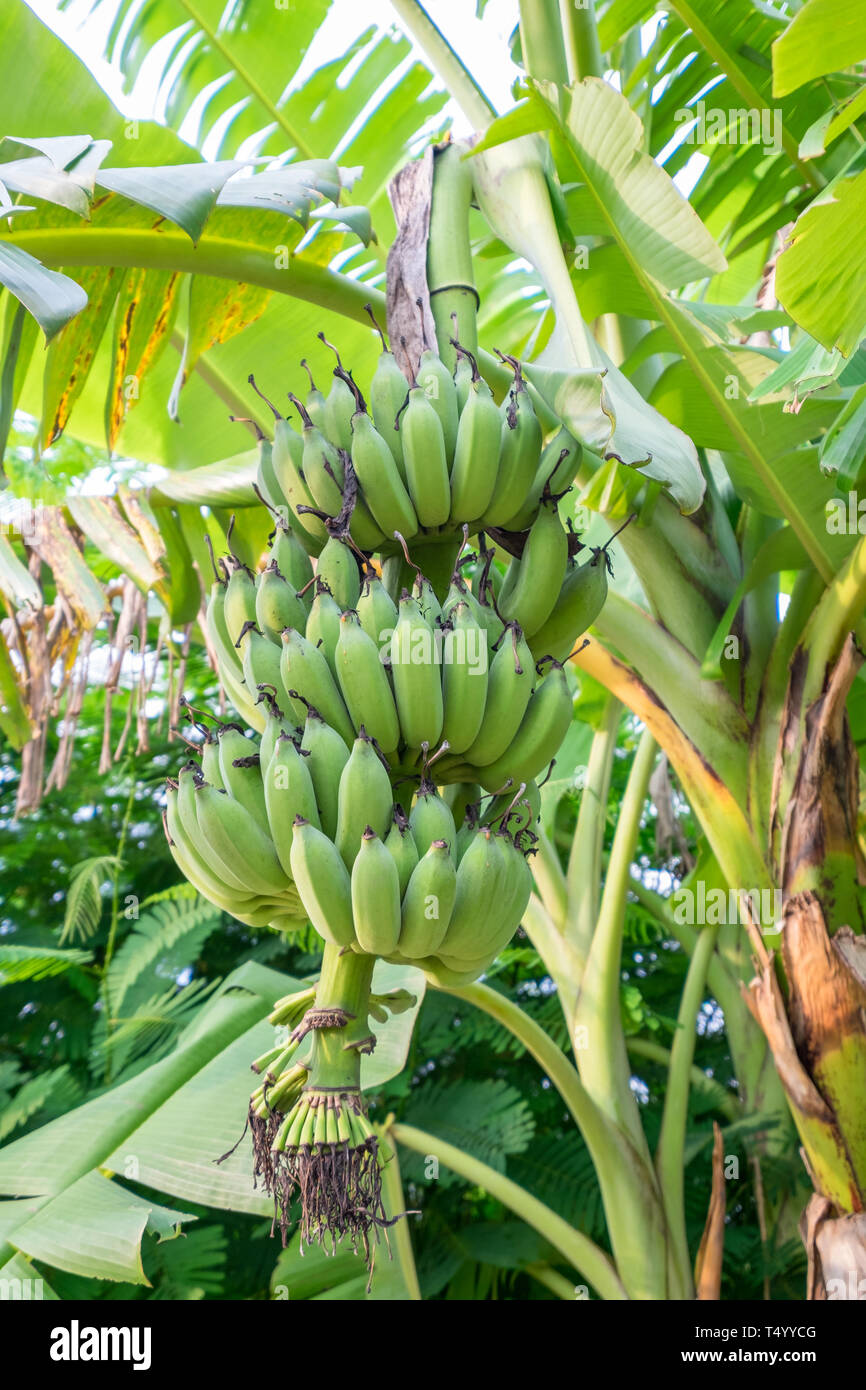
(416,460)
(479,678)
(413,888)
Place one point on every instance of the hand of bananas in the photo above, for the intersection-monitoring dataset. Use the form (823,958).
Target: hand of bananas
(421,460)
(296,826)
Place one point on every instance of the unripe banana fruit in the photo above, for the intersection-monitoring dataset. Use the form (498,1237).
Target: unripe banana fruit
(428,902)
(531,597)
(323,883)
(375,896)
(364,799)
(364,684)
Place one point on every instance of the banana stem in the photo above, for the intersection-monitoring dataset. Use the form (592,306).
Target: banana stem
(541,41)
(450,276)
(344,985)
(550,880)
(629,1191)
(671,1146)
(603,1062)
(395,1205)
(583,1254)
(584,862)
(580,35)
(553,1280)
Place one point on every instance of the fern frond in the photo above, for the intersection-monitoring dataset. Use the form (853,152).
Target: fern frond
(174,923)
(84,898)
(172,894)
(19,963)
(487,1119)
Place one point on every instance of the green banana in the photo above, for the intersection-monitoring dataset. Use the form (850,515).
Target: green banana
(515,888)
(240,773)
(463,377)
(210,761)
(476,454)
(277,604)
(323,623)
(328,755)
(377,611)
(239,602)
(520,802)
(425,460)
(428,902)
(532,597)
(315,399)
(425,596)
(579,603)
(236,841)
(520,454)
(477,903)
(544,726)
(321,466)
(261,663)
(339,409)
(246,907)
(460,796)
(188,781)
(415,674)
(559,462)
(306,676)
(388,392)
(379,476)
(431,819)
(364,799)
(401,846)
(364,684)
(438,386)
(293,562)
(464,678)
(323,884)
(509,686)
(266,478)
(447,978)
(375,896)
(288,793)
(338,568)
(288,455)
(275,724)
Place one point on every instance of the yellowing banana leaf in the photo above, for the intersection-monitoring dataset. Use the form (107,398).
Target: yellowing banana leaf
(16,581)
(55,545)
(70,355)
(102,523)
(14,719)
(143,318)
